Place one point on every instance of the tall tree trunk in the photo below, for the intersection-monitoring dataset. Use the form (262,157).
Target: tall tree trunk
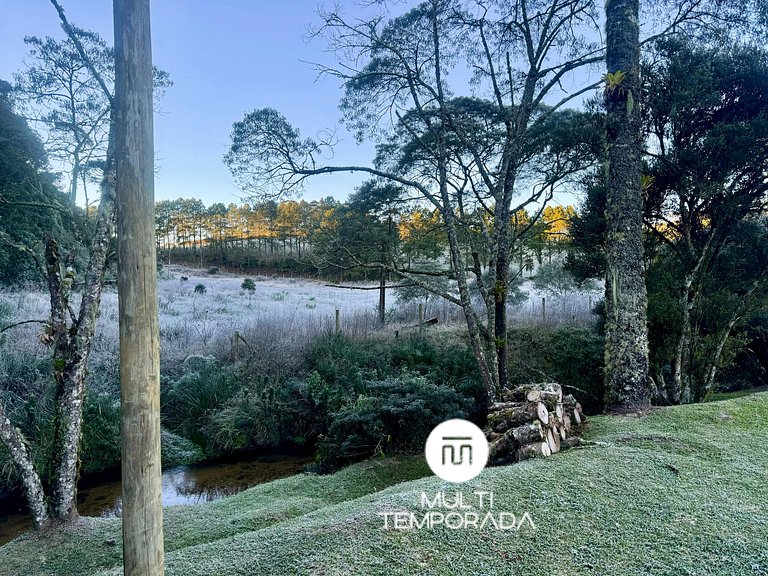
(500,292)
(137,293)
(72,351)
(681,377)
(486,362)
(626,350)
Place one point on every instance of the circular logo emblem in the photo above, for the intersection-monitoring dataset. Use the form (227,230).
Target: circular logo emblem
(456,450)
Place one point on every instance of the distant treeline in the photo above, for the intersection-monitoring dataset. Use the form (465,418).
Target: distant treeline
(299,236)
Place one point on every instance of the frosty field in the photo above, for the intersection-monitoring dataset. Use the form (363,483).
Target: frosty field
(275,319)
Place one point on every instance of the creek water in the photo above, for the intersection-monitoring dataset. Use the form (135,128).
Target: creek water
(183,485)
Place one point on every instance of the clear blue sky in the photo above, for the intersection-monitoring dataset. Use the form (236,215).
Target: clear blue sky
(225,57)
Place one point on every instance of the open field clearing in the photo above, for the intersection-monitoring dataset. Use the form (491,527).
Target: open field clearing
(279,312)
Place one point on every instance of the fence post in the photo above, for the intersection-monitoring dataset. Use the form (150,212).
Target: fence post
(338,322)
(543,308)
(236,346)
(421,318)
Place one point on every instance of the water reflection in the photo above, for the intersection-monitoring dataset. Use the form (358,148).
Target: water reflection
(185,485)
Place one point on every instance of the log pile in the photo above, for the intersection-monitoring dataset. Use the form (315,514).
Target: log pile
(535,420)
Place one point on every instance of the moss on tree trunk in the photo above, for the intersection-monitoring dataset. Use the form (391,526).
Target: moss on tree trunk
(626,349)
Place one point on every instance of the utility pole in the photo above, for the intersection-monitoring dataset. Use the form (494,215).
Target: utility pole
(137,292)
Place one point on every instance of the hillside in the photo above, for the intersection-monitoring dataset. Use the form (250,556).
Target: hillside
(681,491)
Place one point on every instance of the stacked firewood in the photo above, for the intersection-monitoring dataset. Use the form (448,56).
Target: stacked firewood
(532,420)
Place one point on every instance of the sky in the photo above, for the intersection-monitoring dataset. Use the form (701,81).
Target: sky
(225,58)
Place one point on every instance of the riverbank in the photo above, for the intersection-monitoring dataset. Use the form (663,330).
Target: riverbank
(679,491)
(100,495)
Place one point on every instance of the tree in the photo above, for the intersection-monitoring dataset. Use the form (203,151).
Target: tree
(249,286)
(455,153)
(69,334)
(708,128)
(31,204)
(61,93)
(70,337)
(626,332)
(704,190)
(137,293)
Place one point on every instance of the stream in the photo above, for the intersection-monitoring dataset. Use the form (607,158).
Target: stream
(183,485)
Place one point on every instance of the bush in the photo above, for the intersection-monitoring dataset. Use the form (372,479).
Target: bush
(345,365)
(394,415)
(574,357)
(187,402)
(101,433)
(178,451)
(749,368)
(261,414)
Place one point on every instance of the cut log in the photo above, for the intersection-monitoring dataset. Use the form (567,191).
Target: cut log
(533,395)
(529,392)
(535,450)
(516,415)
(527,433)
(582,416)
(532,420)
(519,394)
(553,387)
(569,402)
(514,438)
(499,406)
(542,413)
(551,399)
(553,440)
(554,421)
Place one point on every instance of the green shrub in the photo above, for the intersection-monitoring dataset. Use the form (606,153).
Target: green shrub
(573,357)
(341,362)
(749,368)
(251,418)
(101,433)
(178,451)
(394,415)
(187,402)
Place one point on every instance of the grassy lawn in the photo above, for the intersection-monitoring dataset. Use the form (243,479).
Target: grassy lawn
(682,491)
(717,396)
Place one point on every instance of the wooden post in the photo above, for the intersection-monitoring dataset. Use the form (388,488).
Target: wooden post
(421,318)
(338,322)
(137,292)
(543,308)
(236,346)
(382,297)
